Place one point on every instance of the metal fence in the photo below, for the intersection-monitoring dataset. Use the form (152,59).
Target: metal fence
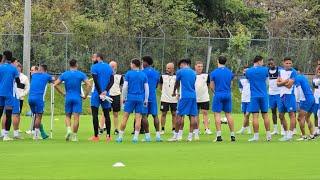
(55,49)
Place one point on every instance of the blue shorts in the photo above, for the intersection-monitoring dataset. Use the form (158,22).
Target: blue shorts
(308,105)
(16,106)
(36,104)
(222,102)
(73,105)
(152,108)
(245,107)
(259,104)
(133,106)
(187,107)
(287,103)
(274,101)
(6,101)
(96,102)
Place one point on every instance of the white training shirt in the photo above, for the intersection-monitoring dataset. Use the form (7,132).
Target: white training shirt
(284,74)
(299,94)
(168,82)
(316,93)
(273,76)
(21,93)
(244,87)
(115,90)
(202,90)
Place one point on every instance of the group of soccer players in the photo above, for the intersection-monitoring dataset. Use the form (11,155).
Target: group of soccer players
(184,93)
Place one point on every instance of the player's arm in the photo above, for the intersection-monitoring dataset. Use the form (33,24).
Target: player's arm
(96,83)
(281,82)
(160,83)
(212,85)
(125,90)
(88,88)
(146,94)
(58,88)
(26,88)
(111,82)
(289,84)
(176,87)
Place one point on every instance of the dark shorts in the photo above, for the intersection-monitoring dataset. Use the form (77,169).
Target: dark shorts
(203,105)
(116,104)
(166,106)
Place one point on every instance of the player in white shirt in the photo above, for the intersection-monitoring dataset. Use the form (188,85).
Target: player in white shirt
(274,94)
(317,83)
(115,94)
(244,87)
(316,94)
(203,98)
(166,84)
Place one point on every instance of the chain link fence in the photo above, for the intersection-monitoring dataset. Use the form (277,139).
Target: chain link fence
(55,49)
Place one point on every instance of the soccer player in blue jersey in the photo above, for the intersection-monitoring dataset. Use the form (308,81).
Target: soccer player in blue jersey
(135,93)
(152,108)
(8,75)
(39,81)
(103,79)
(287,98)
(244,87)
(187,104)
(221,79)
(257,76)
(73,99)
(307,105)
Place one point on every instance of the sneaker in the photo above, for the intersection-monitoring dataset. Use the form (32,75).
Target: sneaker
(108,139)
(218,139)
(179,138)
(44,136)
(68,136)
(189,139)
(173,139)
(134,140)
(274,133)
(253,139)
(7,138)
(147,139)
(18,137)
(285,138)
(94,139)
(303,138)
(233,139)
(162,132)
(116,132)
(29,132)
(241,131)
(196,138)
(208,131)
(158,139)
(311,137)
(36,138)
(74,138)
(119,140)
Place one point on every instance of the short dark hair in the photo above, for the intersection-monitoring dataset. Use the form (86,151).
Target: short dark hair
(270,59)
(8,55)
(257,59)
(73,63)
(287,59)
(44,67)
(0,57)
(222,60)
(186,61)
(100,55)
(296,68)
(136,62)
(148,60)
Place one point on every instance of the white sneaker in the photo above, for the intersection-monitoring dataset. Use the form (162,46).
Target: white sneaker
(241,131)
(74,138)
(162,132)
(196,138)
(294,131)
(7,138)
(275,133)
(173,139)
(285,138)
(179,138)
(208,131)
(68,136)
(189,139)
(253,139)
(303,138)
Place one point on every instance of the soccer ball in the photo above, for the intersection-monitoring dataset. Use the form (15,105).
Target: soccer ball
(224,120)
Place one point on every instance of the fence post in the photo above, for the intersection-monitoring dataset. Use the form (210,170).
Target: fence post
(141,47)
(163,48)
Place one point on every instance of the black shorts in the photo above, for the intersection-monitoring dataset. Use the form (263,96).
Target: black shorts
(116,104)
(203,105)
(166,106)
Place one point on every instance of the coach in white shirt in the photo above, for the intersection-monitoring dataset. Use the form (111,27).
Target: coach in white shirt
(167,82)
(203,98)
(24,80)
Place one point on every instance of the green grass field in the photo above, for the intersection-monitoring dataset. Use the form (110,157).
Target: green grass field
(58,159)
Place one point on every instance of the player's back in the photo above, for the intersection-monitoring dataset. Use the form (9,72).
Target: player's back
(303,82)
(39,82)
(8,73)
(72,81)
(153,80)
(103,71)
(136,80)
(257,77)
(222,78)
(187,78)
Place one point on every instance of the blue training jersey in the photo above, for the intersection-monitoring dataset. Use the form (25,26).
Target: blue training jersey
(38,84)
(136,80)
(153,80)
(8,73)
(187,78)
(103,71)
(72,82)
(222,78)
(257,77)
(303,82)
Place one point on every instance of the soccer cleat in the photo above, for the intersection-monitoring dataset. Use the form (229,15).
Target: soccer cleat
(74,138)
(285,138)
(94,139)
(233,138)
(116,132)
(303,138)
(68,136)
(274,133)
(189,139)
(7,138)
(218,139)
(162,132)
(119,140)
(241,131)
(208,131)
(134,140)
(311,137)
(253,139)
(158,139)
(173,139)
(18,137)
(108,139)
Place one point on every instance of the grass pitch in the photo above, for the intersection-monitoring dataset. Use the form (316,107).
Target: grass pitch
(58,159)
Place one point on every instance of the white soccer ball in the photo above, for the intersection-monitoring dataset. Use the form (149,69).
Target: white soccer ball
(224,120)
